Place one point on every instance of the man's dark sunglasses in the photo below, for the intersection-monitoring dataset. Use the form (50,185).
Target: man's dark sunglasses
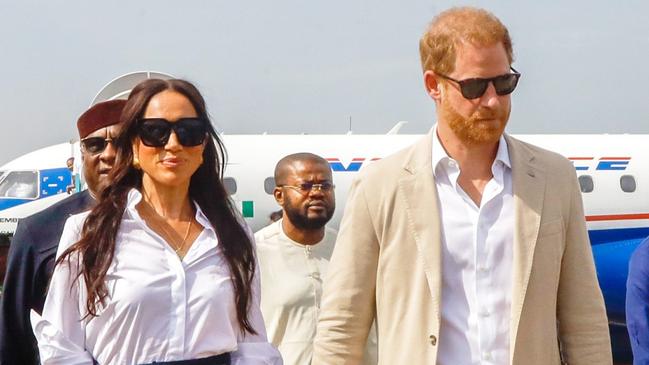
(475,88)
(155,132)
(95,145)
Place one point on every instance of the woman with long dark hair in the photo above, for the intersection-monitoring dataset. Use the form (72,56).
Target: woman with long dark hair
(163,269)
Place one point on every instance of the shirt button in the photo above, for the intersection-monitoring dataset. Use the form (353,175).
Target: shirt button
(483,268)
(486,355)
(485,313)
(433,340)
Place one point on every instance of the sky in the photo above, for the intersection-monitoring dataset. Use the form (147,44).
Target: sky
(288,67)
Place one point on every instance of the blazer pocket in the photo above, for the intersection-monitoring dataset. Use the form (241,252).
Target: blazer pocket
(551,228)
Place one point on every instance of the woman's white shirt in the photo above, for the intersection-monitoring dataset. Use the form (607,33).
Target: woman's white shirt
(158,308)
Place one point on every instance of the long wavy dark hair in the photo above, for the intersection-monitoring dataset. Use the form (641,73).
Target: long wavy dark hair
(96,248)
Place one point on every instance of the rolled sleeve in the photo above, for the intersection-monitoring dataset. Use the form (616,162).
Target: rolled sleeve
(61,332)
(256,353)
(254,349)
(55,347)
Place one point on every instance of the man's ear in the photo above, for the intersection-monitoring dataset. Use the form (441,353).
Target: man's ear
(278,193)
(433,87)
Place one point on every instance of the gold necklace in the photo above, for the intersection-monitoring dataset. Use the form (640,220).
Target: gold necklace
(154,220)
(182,244)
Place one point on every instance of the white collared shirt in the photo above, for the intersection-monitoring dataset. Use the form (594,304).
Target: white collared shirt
(159,307)
(477,254)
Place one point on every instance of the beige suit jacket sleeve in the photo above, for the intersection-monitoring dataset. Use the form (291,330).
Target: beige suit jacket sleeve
(581,315)
(348,303)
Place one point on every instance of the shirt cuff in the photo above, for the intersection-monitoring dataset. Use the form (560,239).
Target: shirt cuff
(54,347)
(256,353)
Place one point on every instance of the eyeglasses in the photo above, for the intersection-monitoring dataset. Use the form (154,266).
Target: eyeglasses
(95,145)
(476,87)
(307,187)
(155,132)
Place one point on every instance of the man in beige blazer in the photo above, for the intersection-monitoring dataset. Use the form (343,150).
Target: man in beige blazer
(470,246)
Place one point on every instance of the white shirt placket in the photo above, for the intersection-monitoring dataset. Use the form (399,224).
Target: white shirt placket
(178,292)
(484,273)
(179,297)
(312,274)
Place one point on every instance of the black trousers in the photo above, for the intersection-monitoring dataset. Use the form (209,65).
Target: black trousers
(223,359)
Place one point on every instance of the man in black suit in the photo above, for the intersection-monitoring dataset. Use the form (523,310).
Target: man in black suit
(34,244)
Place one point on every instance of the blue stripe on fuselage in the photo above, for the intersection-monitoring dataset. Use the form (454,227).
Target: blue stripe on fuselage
(6,203)
(612,249)
(600,236)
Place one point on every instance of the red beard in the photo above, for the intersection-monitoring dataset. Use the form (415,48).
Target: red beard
(483,126)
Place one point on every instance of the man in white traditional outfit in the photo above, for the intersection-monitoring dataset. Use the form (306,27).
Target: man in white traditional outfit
(294,253)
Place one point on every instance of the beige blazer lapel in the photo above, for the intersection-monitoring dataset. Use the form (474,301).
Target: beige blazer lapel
(418,190)
(528,180)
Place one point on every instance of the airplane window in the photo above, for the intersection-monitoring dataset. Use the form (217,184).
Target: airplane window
(627,183)
(586,183)
(20,185)
(269,185)
(230,185)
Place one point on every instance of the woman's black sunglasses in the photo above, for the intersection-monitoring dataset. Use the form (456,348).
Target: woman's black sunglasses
(475,88)
(155,132)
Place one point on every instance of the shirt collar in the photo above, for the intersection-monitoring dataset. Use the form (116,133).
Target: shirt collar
(502,154)
(439,153)
(134,197)
(284,236)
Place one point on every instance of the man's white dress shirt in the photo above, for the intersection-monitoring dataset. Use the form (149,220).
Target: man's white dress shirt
(477,243)
(159,307)
(291,287)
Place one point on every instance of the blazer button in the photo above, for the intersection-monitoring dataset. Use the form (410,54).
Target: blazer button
(433,340)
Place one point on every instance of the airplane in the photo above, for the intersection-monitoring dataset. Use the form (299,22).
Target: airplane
(612,170)
(35,176)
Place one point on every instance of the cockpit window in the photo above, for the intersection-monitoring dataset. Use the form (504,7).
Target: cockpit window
(19,185)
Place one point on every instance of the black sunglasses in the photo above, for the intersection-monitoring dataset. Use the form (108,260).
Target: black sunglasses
(475,88)
(95,145)
(155,132)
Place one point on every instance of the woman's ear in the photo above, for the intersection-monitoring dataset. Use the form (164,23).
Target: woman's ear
(136,159)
